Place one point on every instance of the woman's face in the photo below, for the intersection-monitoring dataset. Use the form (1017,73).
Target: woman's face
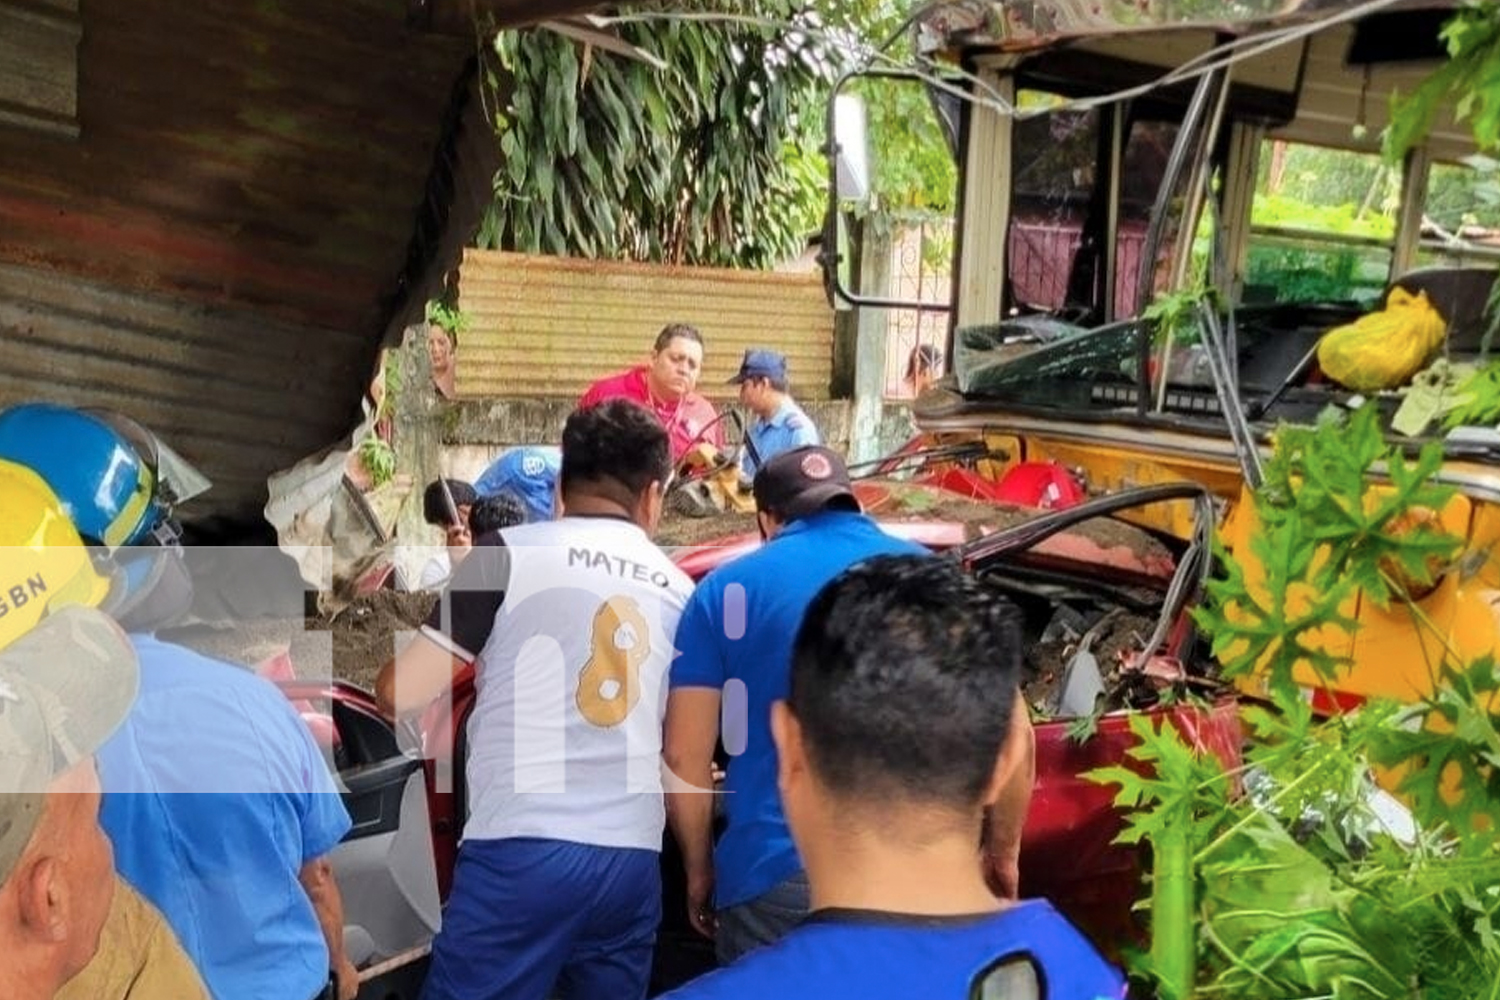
(439,348)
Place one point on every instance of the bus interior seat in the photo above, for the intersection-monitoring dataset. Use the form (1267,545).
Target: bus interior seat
(1460,295)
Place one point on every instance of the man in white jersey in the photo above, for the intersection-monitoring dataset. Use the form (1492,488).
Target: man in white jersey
(557,889)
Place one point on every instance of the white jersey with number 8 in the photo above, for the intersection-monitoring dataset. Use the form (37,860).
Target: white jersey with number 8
(565,737)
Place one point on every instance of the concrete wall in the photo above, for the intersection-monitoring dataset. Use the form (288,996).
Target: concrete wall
(476,432)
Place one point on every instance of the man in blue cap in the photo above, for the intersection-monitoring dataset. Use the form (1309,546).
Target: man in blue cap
(528,474)
(780,425)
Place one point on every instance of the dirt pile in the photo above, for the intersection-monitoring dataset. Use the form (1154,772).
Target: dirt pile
(889,500)
(365,632)
(363,636)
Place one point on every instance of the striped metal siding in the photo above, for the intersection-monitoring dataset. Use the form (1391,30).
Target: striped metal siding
(549,326)
(267,154)
(237,395)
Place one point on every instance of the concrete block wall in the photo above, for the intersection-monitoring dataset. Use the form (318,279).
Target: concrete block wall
(476,432)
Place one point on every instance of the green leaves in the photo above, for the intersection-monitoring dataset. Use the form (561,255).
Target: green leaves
(1299,887)
(705,162)
(1176,795)
(1325,533)
(1454,758)
(1482,390)
(447,316)
(1469,82)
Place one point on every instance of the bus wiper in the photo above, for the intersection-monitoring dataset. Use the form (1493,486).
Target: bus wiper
(1259,409)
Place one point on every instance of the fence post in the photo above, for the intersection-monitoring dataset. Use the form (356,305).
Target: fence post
(873,331)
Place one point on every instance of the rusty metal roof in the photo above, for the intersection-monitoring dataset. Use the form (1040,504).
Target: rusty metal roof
(1022,25)
(255,193)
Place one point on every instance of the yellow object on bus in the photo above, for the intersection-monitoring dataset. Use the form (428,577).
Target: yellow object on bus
(1384,349)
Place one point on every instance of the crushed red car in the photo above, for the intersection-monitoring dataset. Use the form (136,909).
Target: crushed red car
(1106,605)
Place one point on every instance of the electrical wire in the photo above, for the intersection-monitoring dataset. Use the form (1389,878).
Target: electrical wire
(1223,56)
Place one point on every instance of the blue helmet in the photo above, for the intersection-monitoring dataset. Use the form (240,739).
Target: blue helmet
(527,474)
(107,470)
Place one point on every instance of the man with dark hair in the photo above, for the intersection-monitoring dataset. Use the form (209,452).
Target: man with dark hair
(446,504)
(885,776)
(780,424)
(495,513)
(736,636)
(664,385)
(557,891)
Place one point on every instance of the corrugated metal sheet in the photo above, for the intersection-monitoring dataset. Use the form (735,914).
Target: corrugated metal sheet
(269,154)
(238,395)
(39,65)
(548,326)
(220,249)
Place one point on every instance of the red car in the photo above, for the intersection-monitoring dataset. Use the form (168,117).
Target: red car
(1082,577)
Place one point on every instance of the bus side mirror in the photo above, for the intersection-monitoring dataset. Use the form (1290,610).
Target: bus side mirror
(851,149)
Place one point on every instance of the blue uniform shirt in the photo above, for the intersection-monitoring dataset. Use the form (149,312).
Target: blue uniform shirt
(865,955)
(787,428)
(778,582)
(223,867)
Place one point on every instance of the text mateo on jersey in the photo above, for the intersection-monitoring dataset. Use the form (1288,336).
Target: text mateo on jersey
(625,569)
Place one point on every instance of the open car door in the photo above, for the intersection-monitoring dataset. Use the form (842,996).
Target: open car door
(385,867)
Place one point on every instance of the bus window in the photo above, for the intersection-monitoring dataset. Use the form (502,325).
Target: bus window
(1322,228)
(1059,207)
(1461,217)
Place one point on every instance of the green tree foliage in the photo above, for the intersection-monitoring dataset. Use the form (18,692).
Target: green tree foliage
(609,157)
(1469,82)
(1295,887)
(716,160)
(913,174)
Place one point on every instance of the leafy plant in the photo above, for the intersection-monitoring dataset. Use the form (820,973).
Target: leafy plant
(1174,315)
(447,316)
(1187,792)
(1466,83)
(1323,534)
(1298,887)
(609,157)
(1482,390)
(379,460)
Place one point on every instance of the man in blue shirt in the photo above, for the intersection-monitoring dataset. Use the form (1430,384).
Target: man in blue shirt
(222,811)
(735,643)
(220,807)
(893,739)
(779,424)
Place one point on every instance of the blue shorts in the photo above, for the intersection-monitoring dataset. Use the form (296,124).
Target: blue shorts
(530,919)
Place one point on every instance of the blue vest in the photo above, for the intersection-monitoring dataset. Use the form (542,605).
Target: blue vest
(867,955)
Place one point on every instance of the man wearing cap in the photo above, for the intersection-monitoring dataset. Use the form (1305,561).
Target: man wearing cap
(219,805)
(735,637)
(664,385)
(780,424)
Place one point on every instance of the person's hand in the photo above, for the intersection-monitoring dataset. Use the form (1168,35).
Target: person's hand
(347,978)
(459,543)
(700,903)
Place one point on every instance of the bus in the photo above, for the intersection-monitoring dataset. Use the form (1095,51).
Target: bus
(1114,155)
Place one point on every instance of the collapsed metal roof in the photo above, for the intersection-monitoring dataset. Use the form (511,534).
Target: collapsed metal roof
(1023,25)
(212,213)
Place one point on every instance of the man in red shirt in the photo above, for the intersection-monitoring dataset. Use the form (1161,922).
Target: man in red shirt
(664,385)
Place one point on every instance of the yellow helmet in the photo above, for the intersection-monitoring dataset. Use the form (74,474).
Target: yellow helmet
(44,565)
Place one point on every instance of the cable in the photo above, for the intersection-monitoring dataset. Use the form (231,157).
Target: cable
(1221,56)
